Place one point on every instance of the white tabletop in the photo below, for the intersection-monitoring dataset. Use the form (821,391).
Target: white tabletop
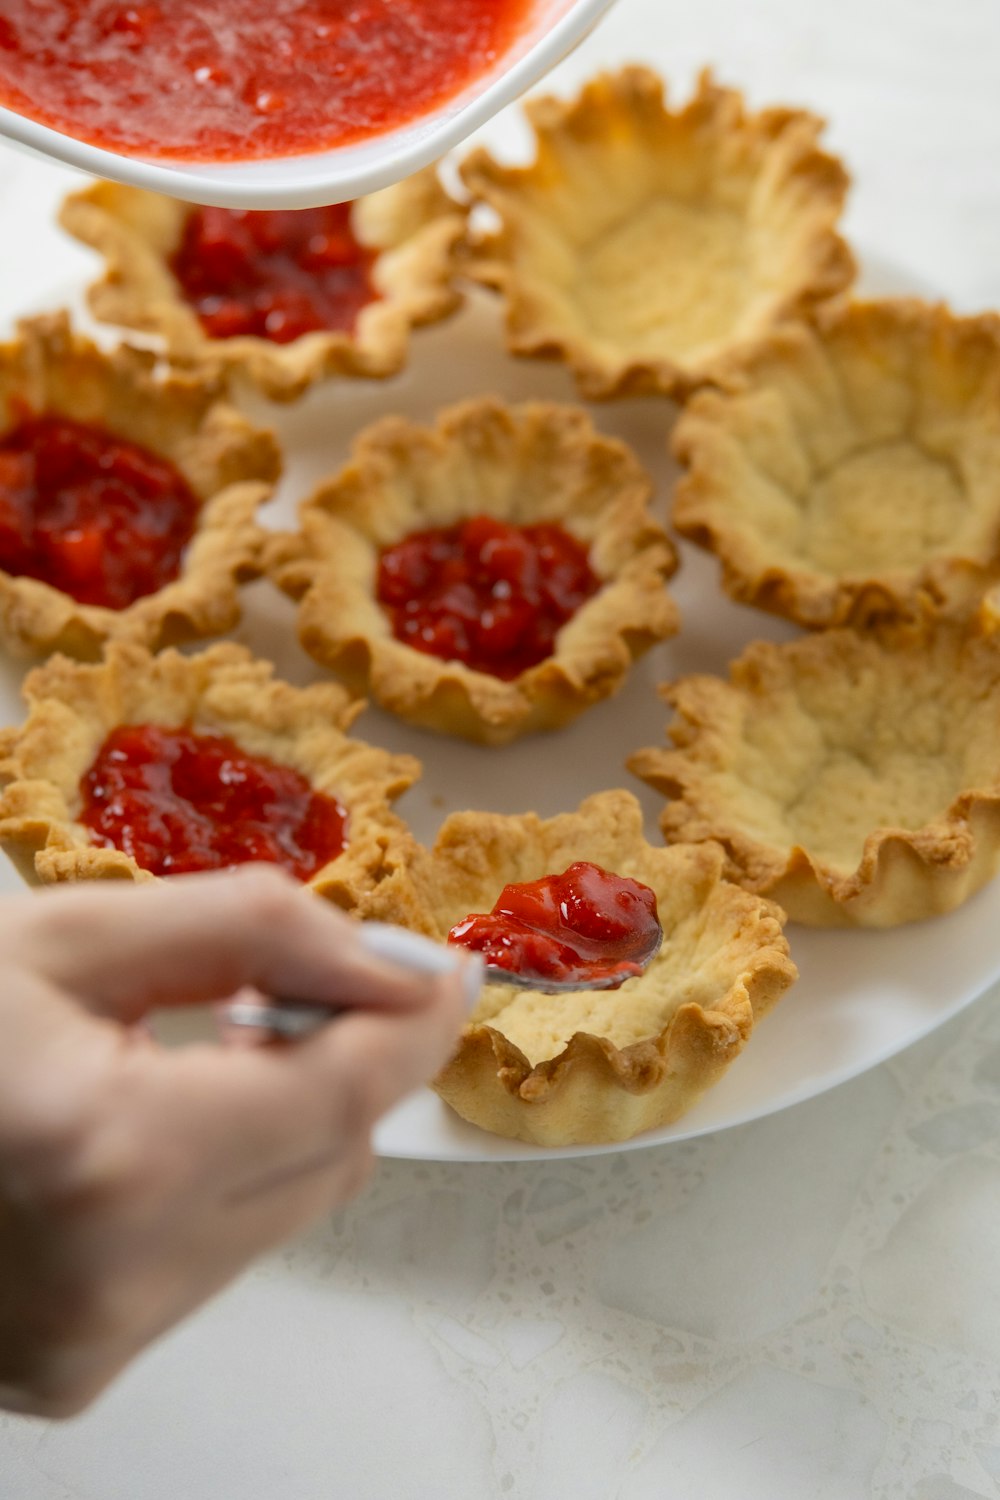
(805,1308)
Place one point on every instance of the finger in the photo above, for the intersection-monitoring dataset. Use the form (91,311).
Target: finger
(125,950)
(397,1054)
(54,1060)
(241,1122)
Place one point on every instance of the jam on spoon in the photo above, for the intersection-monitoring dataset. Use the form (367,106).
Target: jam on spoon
(585,928)
(484,592)
(178,801)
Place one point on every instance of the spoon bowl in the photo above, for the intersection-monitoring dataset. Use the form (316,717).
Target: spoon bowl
(494,974)
(554,28)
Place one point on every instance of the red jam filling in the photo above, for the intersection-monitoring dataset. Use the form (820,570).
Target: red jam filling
(90,513)
(240,80)
(585,924)
(275,274)
(178,801)
(484,593)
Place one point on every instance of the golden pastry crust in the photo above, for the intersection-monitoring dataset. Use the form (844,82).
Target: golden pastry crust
(854,472)
(588,1067)
(225,691)
(852,777)
(229,465)
(650,248)
(414,226)
(536,462)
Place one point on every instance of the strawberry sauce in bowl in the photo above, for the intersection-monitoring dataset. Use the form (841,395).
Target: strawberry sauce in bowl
(244,104)
(241,80)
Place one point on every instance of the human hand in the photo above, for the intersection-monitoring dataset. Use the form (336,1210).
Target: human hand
(135,1181)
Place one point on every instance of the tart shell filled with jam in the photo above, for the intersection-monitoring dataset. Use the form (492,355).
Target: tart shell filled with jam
(490,576)
(146,766)
(283,298)
(591,1066)
(128,497)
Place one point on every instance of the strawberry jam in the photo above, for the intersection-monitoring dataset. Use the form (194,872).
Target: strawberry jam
(241,80)
(584,925)
(89,513)
(178,801)
(485,593)
(275,274)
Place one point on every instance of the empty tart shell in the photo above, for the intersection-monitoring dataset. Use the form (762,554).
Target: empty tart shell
(601,1066)
(648,247)
(229,465)
(537,462)
(221,691)
(413,226)
(854,472)
(853,777)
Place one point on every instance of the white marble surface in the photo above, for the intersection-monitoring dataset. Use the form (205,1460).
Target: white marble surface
(805,1307)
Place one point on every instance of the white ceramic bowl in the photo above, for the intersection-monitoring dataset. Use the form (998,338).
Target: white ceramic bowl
(334,176)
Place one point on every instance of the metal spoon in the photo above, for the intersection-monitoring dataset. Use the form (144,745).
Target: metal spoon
(294,1019)
(493,974)
(298,1019)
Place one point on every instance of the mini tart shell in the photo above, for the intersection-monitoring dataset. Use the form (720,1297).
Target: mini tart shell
(853,473)
(224,691)
(229,464)
(590,1067)
(414,226)
(649,248)
(525,464)
(853,777)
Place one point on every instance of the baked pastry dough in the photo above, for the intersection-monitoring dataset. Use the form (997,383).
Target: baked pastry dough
(414,226)
(525,464)
(852,777)
(229,464)
(594,1066)
(648,247)
(220,691)
(854,473)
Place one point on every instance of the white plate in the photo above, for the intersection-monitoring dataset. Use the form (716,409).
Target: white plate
(554,29)
(861,995)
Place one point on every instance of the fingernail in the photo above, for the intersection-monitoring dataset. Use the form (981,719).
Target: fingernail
(408,950)
(421,955)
